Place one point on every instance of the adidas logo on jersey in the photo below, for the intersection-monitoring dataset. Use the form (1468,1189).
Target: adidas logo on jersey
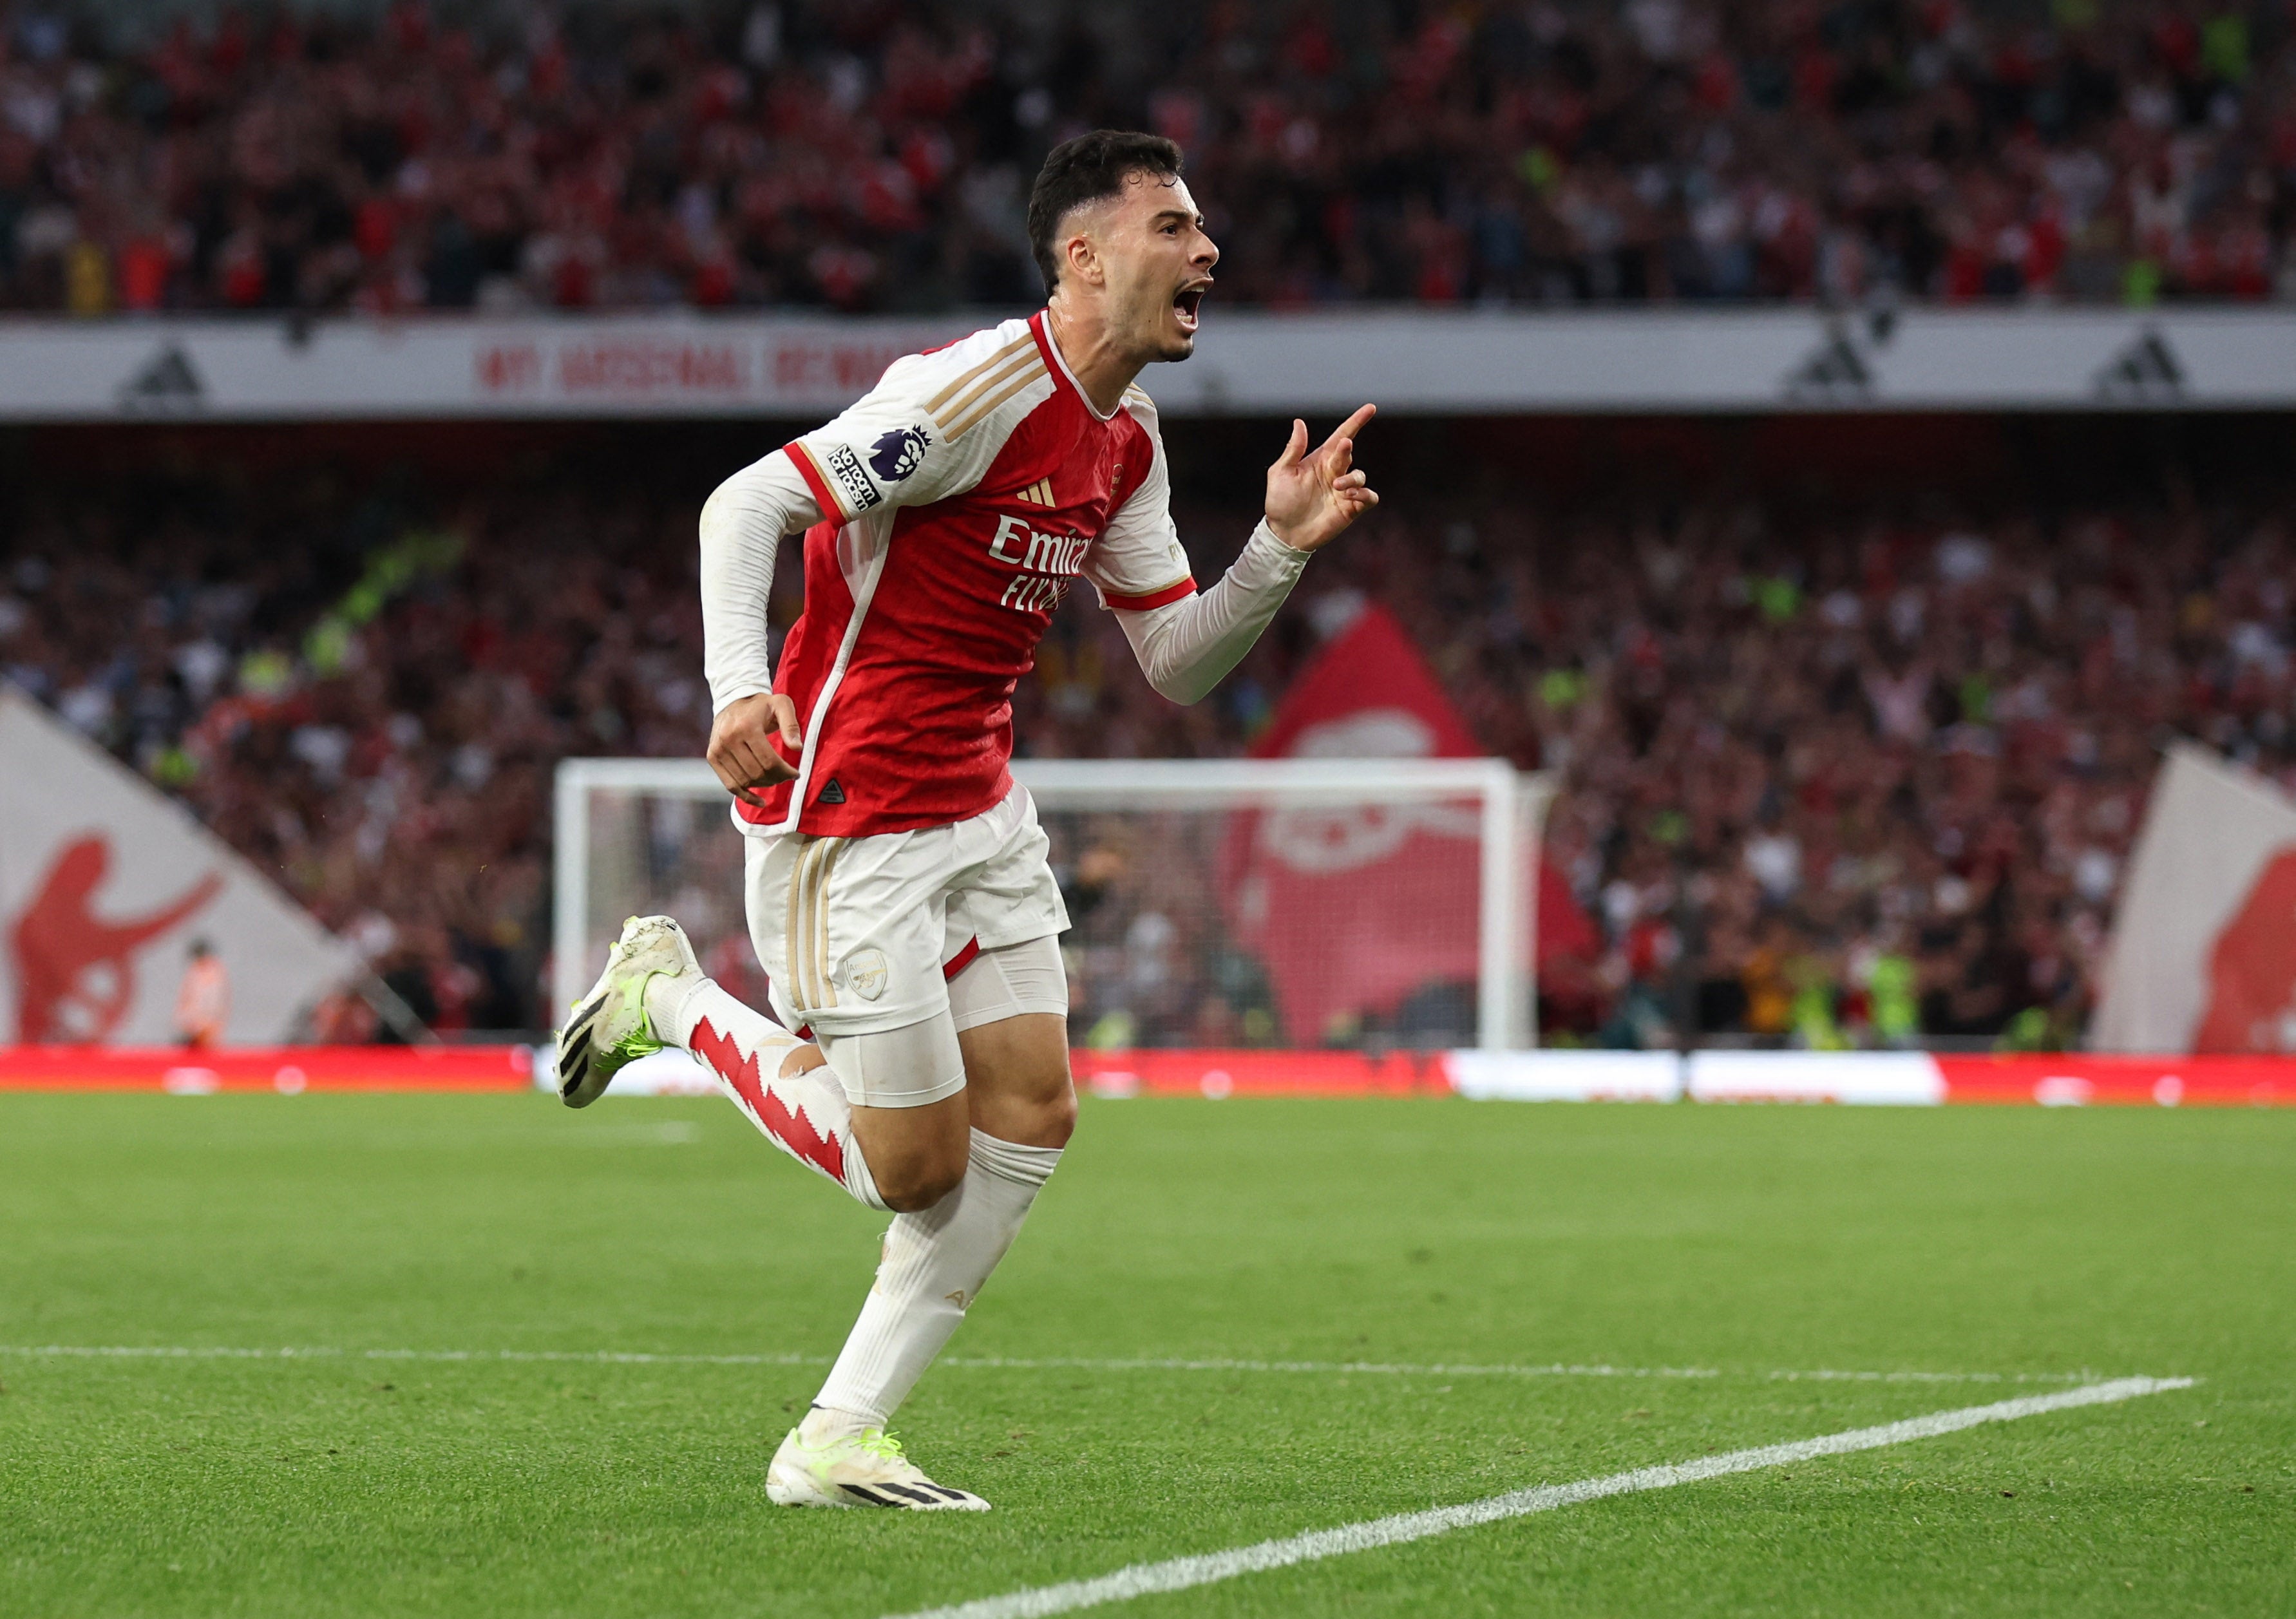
(832,793)
(1038,493)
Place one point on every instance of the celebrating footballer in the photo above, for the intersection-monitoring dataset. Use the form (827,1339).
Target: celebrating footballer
(898,888)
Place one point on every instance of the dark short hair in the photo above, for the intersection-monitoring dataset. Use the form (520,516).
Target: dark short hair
(1089,168)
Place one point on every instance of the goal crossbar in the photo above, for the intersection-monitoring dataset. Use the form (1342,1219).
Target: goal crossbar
(1510,809)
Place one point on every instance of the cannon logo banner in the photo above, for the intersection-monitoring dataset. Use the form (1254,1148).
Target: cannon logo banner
(1358,909)
(104,885)
(2204,945)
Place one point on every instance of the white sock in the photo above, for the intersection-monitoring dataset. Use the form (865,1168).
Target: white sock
(805,1115)
(933,1266)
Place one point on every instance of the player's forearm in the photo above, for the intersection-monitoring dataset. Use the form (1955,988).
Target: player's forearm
(1186,648)
(742,529)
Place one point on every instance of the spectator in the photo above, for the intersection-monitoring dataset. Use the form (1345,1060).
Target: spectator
(875,158)
(203,999)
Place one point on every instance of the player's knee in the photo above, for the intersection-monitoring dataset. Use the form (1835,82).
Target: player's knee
(915,1167)
(914,1184)
(916,1200)
(1051,1096)
(1056,1117)
(1034,1110)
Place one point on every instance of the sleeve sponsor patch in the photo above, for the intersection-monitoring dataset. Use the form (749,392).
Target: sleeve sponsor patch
(899,452)
(853,478)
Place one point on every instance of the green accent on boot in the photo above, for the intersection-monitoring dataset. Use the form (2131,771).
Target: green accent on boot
(640,1041)
(879,1442)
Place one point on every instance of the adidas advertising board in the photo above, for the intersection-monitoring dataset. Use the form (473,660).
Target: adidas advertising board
(1423,360)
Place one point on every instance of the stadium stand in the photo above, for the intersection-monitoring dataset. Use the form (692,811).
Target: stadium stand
(874,157)
(1848,766)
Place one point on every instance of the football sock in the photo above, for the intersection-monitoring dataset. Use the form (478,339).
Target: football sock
(806,1114)
(933,1266)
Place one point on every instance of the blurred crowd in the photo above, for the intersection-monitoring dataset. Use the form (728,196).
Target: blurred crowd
(1864,781)
(1831,775)
(367,697)
(1850,778)
(877,155)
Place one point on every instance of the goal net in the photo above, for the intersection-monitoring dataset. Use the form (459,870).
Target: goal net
(1365,904)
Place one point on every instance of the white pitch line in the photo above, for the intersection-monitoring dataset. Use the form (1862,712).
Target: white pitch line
(1182,1573)
(1930,1377)
(611,1357)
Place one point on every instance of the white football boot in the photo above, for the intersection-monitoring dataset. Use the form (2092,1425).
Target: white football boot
(609,1029)
(860,1469)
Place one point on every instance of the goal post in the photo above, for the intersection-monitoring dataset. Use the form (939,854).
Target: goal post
(1280,902)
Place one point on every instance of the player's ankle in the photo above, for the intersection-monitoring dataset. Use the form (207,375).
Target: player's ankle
(666,1000)
(823,1424)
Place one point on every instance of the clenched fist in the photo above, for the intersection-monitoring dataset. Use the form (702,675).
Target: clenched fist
(741,740)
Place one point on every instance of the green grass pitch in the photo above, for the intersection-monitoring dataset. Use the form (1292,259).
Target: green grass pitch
(1744,1242)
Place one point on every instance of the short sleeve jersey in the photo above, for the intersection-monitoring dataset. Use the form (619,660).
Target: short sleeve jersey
(960,499)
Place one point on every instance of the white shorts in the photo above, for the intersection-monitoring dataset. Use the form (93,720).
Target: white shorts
(860,936)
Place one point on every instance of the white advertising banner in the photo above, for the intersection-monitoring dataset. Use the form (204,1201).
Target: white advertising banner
(2203,955)
(1566,1077)
(1889,1079)
(1425,360)
(104,884)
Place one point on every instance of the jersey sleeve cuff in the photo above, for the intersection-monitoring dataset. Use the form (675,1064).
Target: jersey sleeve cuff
(1265,538)
(735,692)
(1164,595)
(824,494)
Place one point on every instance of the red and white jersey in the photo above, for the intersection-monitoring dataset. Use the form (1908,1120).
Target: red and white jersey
(960,499)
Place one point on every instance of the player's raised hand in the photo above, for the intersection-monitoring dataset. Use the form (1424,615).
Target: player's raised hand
(1312,498)
(741,744)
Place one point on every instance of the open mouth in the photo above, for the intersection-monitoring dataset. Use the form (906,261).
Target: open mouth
(1186,301)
